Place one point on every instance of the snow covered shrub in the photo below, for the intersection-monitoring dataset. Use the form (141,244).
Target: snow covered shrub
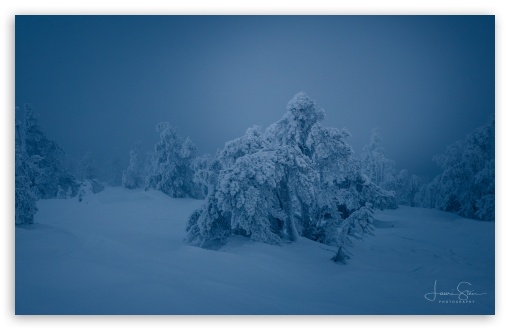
(64,194)
(466,185)
(89,187)
(357,225)
(378,197)
(208,224)
(341,256)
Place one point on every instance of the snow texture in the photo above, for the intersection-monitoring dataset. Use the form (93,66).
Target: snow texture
(121,251)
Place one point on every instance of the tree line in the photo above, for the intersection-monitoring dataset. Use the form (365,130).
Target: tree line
(296,178)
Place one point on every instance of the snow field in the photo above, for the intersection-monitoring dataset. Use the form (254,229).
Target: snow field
(122,252)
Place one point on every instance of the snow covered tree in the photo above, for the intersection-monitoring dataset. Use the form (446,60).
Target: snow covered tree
(332,159)
(133,176)
(88,174)
(343,188)
(252,141)
(261,182)
(297,123)
(25,198)
(203,176)
(407,187)
(379,169)
(426,195)
(466,185)
(170,169)
(357,225)
(254,198)
(295,179)
(52,175)
(88,169)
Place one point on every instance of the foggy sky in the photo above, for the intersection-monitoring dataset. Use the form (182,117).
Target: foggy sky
(101,83)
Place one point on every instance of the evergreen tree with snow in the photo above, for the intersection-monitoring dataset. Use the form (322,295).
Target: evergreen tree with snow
(342,188)
(254,198)
(204,175)
(88,169)
(295,179)
(171,171)
(357,225)
(296,125)
(376,166)
(407,187)
(262,182)
(252,141)
(88,174)
(51,173)
(133,176)
(25,171)
(466,185)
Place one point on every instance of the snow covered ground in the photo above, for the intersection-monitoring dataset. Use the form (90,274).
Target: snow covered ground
(122,252)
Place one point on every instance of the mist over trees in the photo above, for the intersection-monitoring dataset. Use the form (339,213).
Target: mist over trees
(42,159)
(115,175)
(376,166)
(87,167)
(466,185)
(39,169)
(170,169)
(384,173)
(134,176)
(296,178)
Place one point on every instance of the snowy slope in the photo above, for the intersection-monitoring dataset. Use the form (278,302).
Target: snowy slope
(122,252)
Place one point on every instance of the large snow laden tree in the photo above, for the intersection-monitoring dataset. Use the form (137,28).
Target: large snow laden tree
(467,184)
(52,178)
(171,167)
(295,179)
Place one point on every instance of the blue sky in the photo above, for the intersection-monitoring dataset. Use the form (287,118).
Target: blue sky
(101,83)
